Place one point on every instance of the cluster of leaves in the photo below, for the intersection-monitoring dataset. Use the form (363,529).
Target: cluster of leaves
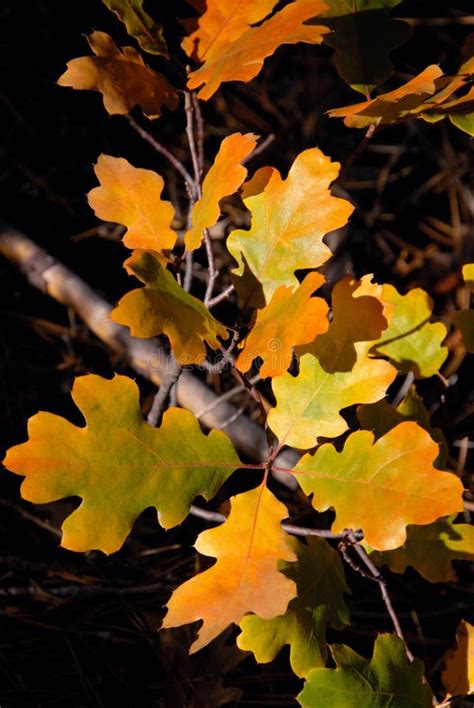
(386,481)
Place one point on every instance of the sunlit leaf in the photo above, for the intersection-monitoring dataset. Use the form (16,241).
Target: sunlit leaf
(118,464)
(121,76)
(388,679)
(320,583)
(132,196)
(231,50)
(411,341)
(289,221)
(381,486)
(458,676)
(245,578)
(291,318)
(224,178)
(164,307)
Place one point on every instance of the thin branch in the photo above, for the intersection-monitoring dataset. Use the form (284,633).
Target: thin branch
(177,164)
(375,574)
(188,273)
(199,132)
(259,149)
(226,396)
(159,402)
(404,388)
(359,149)
(222,296)
(32,518)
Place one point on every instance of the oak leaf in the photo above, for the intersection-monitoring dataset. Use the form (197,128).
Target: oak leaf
(291,318)
(121,76)
(289,221)
(308,405)
(458,676)
(131,196)
(118,464)
(425,96)
(388,679)
(320,583)
(464,319)
(363,35)
(248,547)
(431,549)
(411,341)
(164,307)
(139,24)
(224,178)
(381,417)
(359,314)
(233,51)
(381,486)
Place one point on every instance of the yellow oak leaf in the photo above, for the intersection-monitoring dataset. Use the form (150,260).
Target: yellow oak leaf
(381,486)
(248,547)
(121,76)
(233,51)
(223,179)
(163,307)
(458,676)
(309,404)
(431,549)
(289,221)
(291,318)
(118,464)
(131,196)
(411,341)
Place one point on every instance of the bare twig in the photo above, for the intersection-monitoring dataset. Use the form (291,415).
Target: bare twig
(161,397)
(222,296)
(199,132)
(359,149)
(177,164)
(375,574)
(259,149)
(32,518)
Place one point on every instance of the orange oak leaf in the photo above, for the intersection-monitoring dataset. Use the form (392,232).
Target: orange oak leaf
(290,218)
(164,307)
(381,486)
(233,51)
(359,314)
(245,577)
(121,76)
(223,179)
(132,196)
(290,318)
(458,676)
(118,464)
(425,96)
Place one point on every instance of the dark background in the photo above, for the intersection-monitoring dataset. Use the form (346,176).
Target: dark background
(80,630)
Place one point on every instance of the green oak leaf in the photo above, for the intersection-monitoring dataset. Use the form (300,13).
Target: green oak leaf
(320,582)
(386,680)
(139,24)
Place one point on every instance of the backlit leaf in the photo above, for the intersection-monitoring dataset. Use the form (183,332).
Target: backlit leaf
(308,404)
(163,307)
(289,319)
(118,464)
(223,178)
(121,76)
(431,549)
(336,372)
(320,583)
(231,50)
(363,35)
(385,680)
(289,221)
(425,96)
(381,417)
(458,676)
(245,578)
(132,196)
(411,341)
(139,24)
(381,486)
